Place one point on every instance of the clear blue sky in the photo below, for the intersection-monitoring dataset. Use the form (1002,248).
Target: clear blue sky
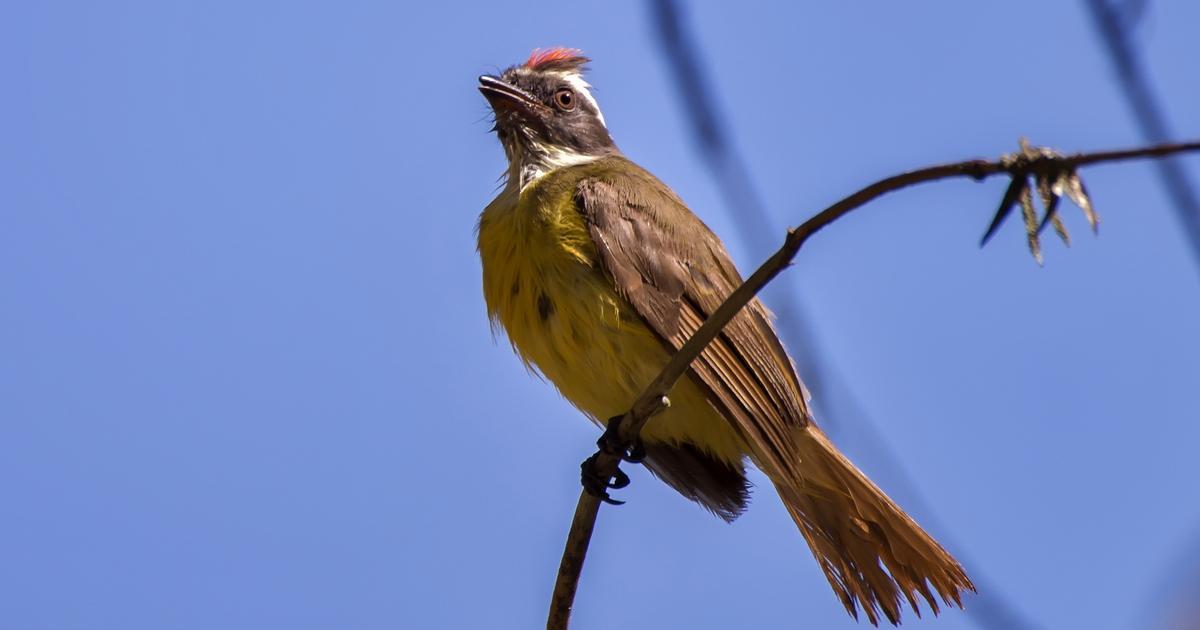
(247,381)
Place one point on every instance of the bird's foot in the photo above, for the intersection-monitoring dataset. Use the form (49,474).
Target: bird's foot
(597,483)
(610,443)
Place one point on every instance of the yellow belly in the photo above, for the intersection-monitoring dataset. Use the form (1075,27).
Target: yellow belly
(544,287)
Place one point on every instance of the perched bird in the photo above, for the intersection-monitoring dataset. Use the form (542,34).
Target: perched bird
(597,272)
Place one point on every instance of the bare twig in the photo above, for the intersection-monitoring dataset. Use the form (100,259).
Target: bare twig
(1028,163)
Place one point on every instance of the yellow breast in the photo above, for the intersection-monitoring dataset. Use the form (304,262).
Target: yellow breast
(544,286)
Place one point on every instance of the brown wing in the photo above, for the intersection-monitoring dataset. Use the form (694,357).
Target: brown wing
(675,272)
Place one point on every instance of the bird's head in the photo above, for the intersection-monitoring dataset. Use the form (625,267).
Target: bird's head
(546,117)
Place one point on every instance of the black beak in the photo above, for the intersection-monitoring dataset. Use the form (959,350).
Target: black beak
(506,97)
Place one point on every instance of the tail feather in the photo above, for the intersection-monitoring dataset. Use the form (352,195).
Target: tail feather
(872,553)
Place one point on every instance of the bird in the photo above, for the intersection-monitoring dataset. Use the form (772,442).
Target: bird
(597,272)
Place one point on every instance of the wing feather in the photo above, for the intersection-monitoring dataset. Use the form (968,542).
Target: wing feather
(675,272)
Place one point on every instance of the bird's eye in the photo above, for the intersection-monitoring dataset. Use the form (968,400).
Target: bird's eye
(564,99)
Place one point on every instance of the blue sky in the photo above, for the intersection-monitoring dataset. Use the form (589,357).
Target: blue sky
(247,379)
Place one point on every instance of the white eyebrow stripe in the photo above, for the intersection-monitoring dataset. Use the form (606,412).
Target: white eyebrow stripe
(583,89)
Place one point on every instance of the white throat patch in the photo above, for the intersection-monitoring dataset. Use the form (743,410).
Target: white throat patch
(530,166)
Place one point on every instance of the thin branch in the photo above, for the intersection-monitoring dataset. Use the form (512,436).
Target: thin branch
(653,398)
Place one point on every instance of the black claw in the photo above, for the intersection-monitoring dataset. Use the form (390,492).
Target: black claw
(597,485)
(619,480)
(610,443)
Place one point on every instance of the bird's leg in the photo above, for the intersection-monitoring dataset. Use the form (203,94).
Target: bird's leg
(610,443)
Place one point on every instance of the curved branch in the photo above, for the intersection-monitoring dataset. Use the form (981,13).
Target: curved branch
(654,397)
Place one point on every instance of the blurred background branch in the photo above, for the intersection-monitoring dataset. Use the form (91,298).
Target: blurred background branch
(1113,24)
(1175,599)
(833,402)
(720,155)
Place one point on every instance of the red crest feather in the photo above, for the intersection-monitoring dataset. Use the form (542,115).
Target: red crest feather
(541,59)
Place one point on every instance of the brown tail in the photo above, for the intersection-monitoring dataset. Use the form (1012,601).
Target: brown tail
(853,528)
